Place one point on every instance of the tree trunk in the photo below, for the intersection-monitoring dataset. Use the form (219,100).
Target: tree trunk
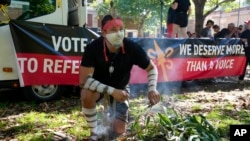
(199,16)
(140,32)
(141,24)
(140,28)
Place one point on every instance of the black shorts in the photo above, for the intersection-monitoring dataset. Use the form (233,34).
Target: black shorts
(181,19)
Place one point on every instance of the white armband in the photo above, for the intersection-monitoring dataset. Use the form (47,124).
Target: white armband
(95,85)
(152,79)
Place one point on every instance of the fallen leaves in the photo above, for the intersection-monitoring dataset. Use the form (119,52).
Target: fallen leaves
(193,100)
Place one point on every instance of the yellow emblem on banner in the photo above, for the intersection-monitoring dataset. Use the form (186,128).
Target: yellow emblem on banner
(163,58)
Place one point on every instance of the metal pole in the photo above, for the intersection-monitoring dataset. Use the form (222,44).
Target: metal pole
(161,18)
(220,19)
(239,14)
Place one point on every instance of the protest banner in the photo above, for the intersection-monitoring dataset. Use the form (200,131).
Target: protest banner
(51,54)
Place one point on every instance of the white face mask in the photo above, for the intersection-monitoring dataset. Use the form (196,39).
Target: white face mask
(116,38)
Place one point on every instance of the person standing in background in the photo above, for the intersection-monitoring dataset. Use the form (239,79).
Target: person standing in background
(170,20)
(245,37)
(183,11)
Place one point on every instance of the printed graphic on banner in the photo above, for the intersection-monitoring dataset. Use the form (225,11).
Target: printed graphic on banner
(187,59)
(51,54)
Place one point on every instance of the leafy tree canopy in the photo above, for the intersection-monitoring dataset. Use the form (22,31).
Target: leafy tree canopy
(146,14)
(41,6)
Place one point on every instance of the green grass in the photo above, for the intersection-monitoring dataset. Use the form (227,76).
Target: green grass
(221,116)
(36,125)
(31,121)
(3,124)
(182,96)
(196,108)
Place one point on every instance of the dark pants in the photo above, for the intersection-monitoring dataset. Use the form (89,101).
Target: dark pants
(245,69)
(181,19)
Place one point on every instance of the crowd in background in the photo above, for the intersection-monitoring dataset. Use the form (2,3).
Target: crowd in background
(177,19)
(213,30)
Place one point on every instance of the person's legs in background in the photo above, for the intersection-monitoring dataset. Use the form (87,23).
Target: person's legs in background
(180,22)
(169,30)
(184,32)
(183,24)
(175,30)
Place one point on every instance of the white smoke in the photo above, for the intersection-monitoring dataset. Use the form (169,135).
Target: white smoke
(104,126)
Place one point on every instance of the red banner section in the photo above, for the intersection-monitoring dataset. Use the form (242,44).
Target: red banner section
(49,69)
(51,54)
(178,69)
(52,69)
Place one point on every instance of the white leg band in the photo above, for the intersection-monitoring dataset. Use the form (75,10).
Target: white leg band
(152,79)
(95,85)
(91,118)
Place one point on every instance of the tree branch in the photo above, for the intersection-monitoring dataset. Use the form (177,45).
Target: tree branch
(216,6)
(211,10)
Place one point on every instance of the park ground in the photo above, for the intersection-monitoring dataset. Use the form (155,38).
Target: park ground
(223,103)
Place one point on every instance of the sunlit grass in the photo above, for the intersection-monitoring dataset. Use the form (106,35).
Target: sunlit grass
(39,125)
(72,123)
(3,124)
(34,125)
(37,136)
(223,117)
(196,108)
(182,96)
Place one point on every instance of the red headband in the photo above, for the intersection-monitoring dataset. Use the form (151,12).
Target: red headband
(112,23)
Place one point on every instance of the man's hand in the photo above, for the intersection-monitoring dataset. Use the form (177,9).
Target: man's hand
(154,97)
(120,95)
